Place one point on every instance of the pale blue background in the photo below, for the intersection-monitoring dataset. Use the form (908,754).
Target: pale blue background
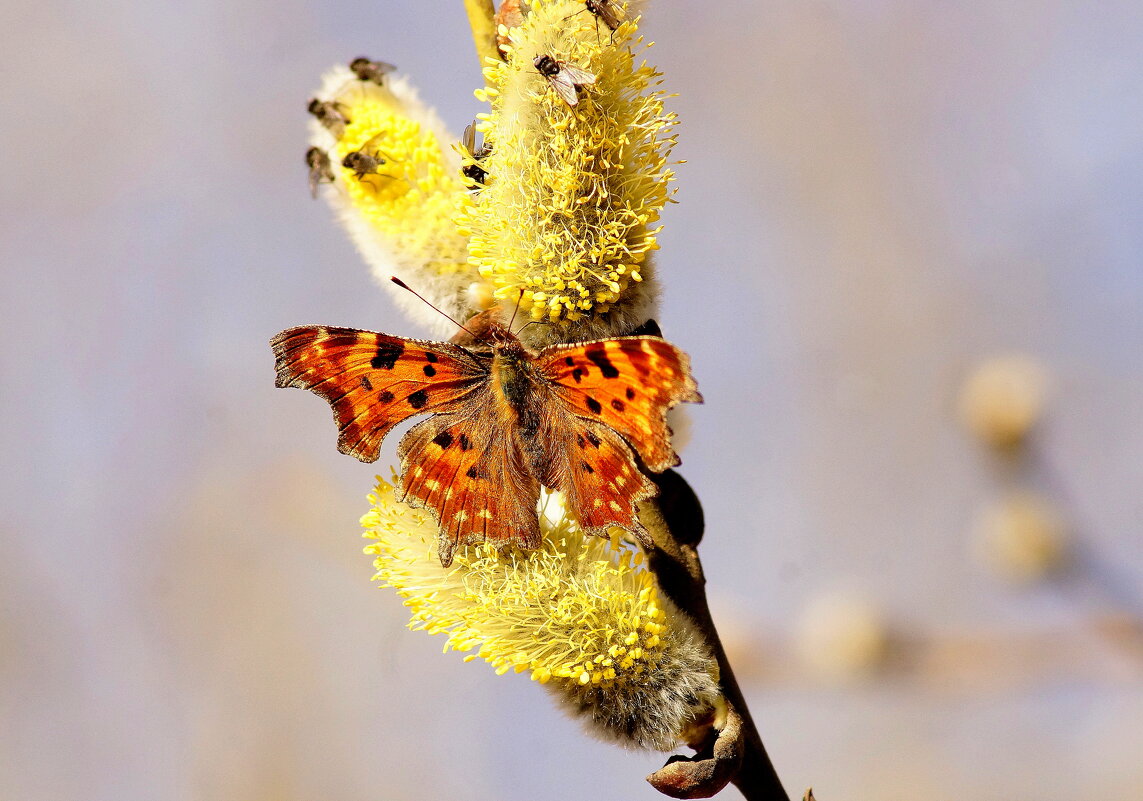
(877,194)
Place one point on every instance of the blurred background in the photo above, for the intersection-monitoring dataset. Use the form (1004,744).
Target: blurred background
(882,199)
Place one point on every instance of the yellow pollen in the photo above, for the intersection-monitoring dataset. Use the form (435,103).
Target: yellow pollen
(573,224)
(577,609)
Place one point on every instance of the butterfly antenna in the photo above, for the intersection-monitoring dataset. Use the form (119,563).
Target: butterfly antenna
(520,298)
(531,322)
(403,285)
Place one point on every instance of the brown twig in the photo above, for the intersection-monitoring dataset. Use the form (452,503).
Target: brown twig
(736,753)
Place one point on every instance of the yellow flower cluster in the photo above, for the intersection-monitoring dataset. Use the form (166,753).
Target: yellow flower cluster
(574,191)
(581,613)
(599,608)
(568,210)
(398,202)
(413,191)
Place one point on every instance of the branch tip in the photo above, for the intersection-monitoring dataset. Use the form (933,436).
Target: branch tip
(709,770)
(481,20)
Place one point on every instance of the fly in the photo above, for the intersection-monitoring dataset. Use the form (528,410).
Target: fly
(373,71)
(366,161)
(606,10)
(563,77)
(321,172)
(474,171)
(330,115)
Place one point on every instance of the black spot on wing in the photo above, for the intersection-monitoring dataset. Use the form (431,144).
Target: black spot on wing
(578,374)
(431,358)
(630,394)
(472,473)
(617,405)
(429,370)
(594,440)
(385,397)
(443,439)
(366,384)
(465,444)
(598,355)
(586,467)
(569,361)
(418,399)
(387,355)
(594,405)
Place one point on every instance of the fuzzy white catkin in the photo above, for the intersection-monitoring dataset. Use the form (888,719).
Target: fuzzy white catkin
(651,712)
(451,292)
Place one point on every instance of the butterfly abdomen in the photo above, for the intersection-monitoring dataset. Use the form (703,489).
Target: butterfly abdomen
(514,385)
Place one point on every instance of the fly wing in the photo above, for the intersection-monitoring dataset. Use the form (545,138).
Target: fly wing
(576,75)
(609,12)
(564,87)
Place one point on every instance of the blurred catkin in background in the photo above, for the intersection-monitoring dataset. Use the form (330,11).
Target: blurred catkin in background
(877,198)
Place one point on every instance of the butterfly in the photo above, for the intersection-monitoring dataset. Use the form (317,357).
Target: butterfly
(505,421)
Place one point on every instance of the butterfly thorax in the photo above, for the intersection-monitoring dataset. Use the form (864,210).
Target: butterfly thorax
(515,379)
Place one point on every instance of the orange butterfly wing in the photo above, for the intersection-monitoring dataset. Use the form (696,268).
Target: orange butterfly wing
(595,469)
(628,384)
(465,464)
(468,464)
(613,397)
(469,469)
(374,381)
